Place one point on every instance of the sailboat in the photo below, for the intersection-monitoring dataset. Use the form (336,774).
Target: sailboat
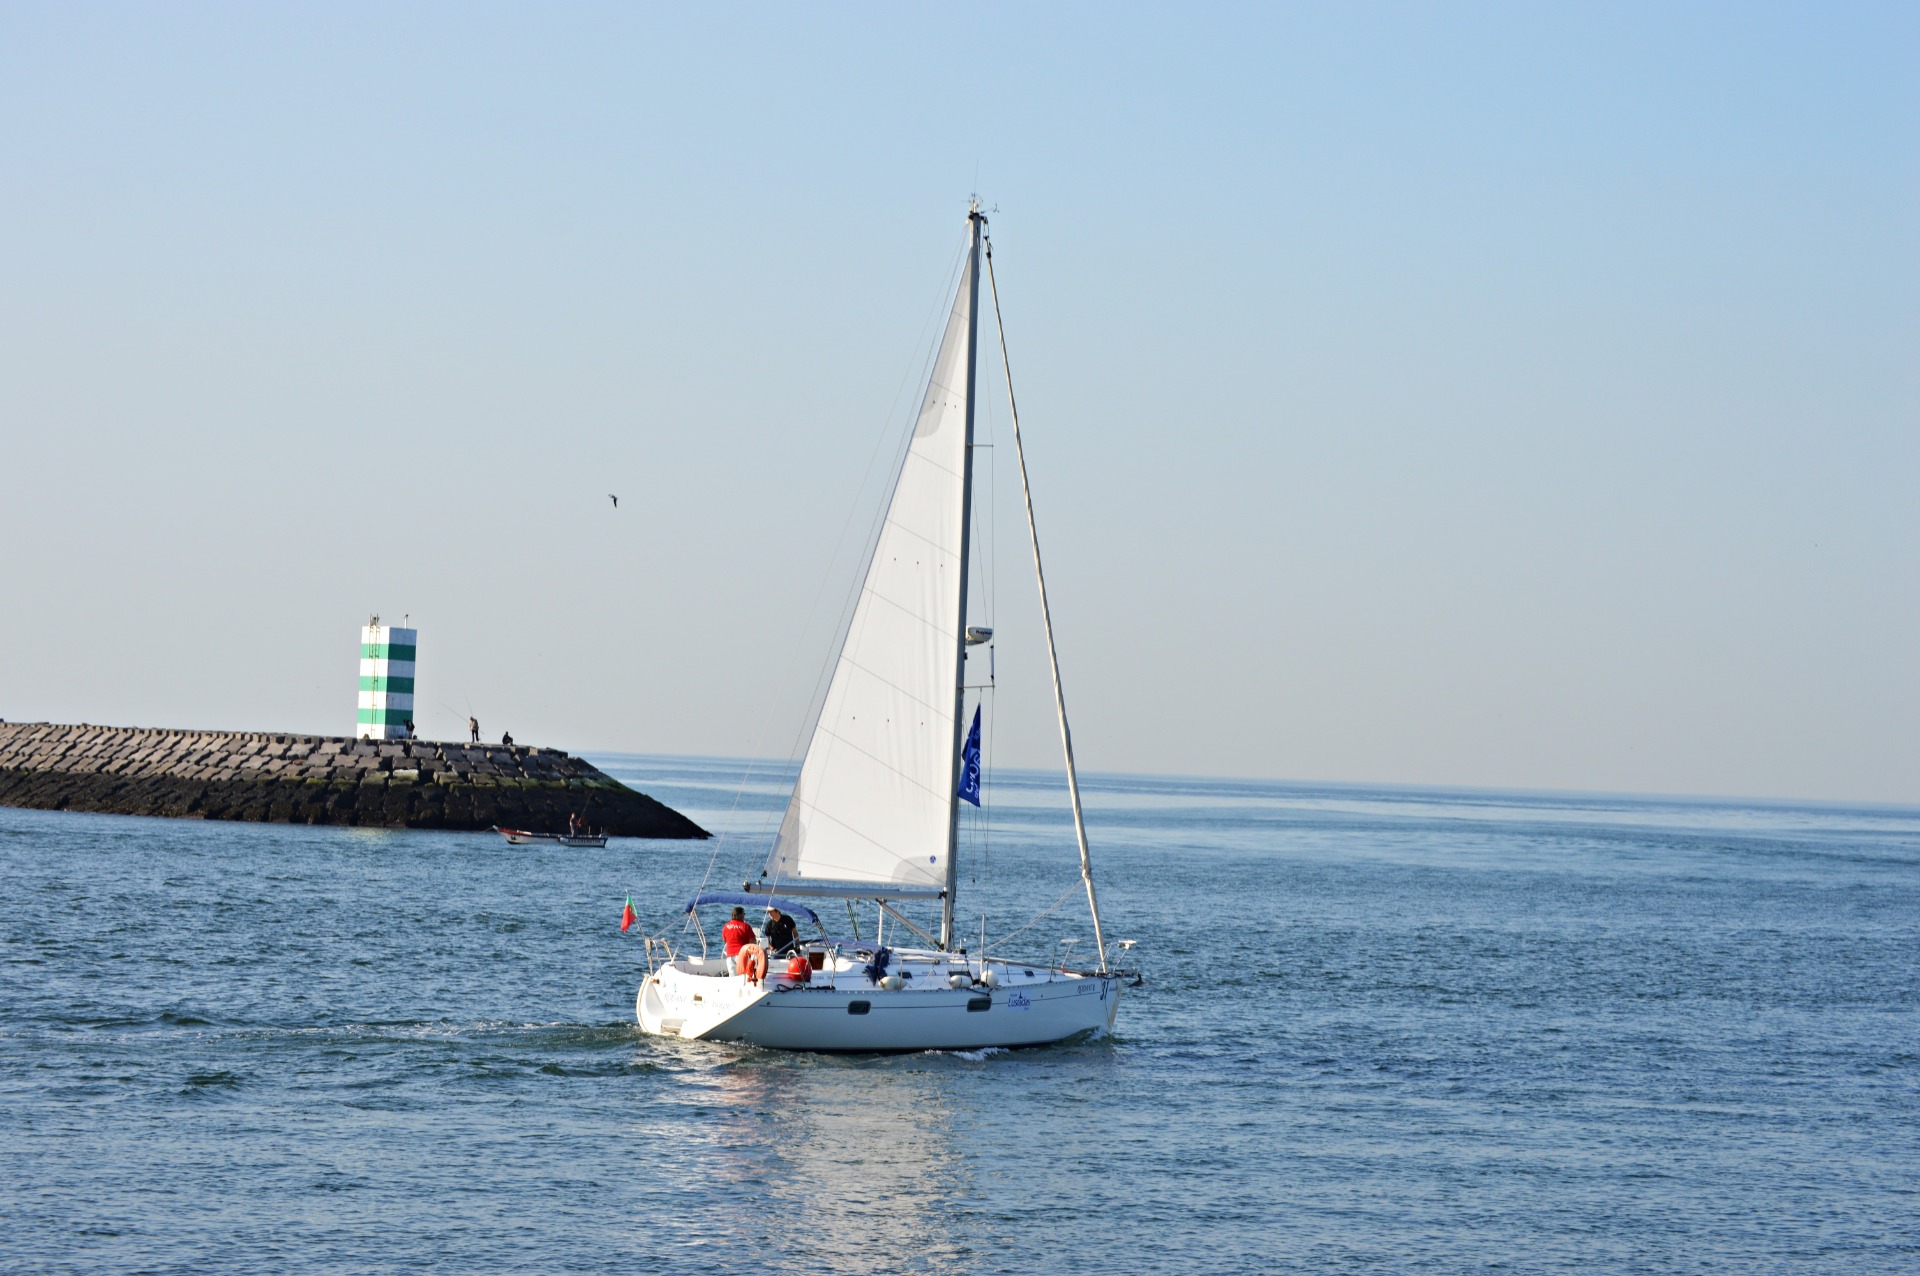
(875,811)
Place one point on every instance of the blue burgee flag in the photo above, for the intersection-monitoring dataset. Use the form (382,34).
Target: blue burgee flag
(970,763)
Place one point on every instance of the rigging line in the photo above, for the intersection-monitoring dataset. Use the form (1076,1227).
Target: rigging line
(906,921)
(986,838)
(993,619)
(1038,917)
(986,818)
(1046,624)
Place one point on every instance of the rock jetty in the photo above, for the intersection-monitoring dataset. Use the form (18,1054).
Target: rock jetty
(313,779)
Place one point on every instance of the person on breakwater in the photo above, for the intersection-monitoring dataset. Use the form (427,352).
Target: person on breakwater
(506,738)
(473,729)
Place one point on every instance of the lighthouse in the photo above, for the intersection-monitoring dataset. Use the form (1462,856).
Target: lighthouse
(386,681)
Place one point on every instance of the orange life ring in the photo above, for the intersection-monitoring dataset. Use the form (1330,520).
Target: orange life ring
(752,960)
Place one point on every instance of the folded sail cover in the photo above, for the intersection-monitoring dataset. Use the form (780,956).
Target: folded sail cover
(874,798)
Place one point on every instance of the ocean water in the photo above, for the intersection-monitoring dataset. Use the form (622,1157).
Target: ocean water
(1379,1030)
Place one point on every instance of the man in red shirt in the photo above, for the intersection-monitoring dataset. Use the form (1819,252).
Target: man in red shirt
(735,934)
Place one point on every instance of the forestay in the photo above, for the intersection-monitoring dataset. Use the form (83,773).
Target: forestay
(874,800)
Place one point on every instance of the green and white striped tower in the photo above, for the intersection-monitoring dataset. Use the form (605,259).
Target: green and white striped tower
(386,680)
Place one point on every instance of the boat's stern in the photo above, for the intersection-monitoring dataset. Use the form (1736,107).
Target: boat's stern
(691,996)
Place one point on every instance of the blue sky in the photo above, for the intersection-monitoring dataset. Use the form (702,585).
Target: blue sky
(1489,394)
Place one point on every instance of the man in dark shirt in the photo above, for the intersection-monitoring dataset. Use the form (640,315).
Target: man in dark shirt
(780,932)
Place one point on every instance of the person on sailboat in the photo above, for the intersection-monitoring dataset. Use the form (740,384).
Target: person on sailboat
(736,934)
(780,932)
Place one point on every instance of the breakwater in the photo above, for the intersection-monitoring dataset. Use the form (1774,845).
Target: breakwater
(312,779)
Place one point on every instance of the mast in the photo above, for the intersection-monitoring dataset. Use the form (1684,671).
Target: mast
(1046,621)
(977,221)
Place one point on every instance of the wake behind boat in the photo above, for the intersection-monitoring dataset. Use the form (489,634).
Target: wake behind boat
(875,814)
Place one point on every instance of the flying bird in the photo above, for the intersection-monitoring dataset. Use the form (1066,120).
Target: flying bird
(614,499)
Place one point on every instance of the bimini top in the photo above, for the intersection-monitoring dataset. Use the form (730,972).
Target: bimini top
(758,901)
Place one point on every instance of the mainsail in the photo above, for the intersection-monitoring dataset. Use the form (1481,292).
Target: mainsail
(874,801)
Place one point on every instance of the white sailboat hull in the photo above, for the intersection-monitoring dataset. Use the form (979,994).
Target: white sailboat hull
(853,1016)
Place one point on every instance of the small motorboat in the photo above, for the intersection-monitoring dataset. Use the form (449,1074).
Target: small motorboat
(521,837)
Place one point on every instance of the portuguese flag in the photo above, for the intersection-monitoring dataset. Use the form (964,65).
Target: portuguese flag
(626,915)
